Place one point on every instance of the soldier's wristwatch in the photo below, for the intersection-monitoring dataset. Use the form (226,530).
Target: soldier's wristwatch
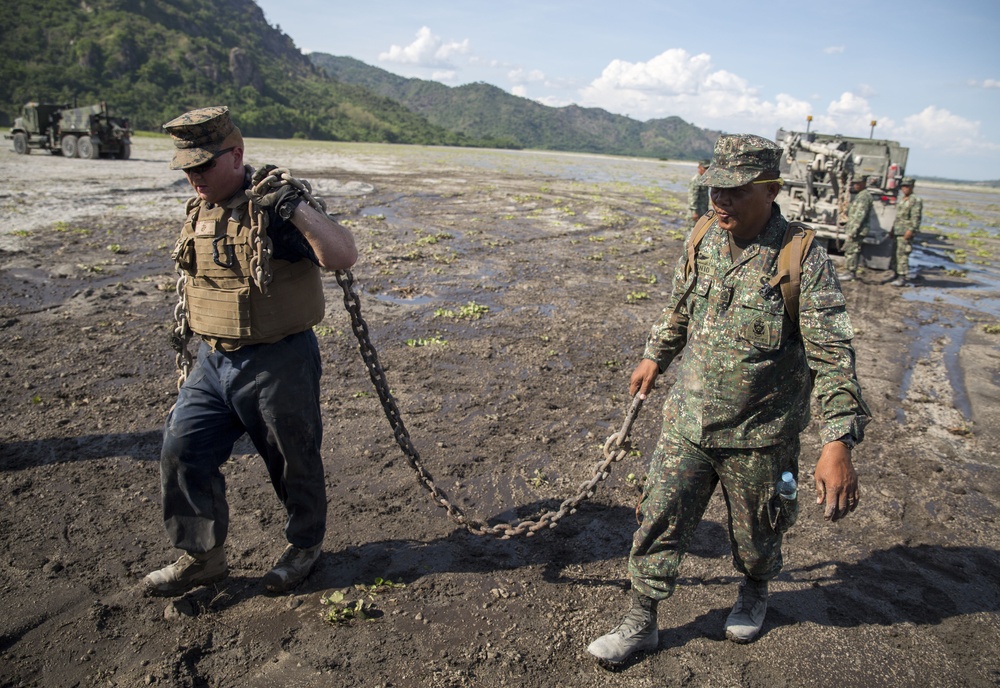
(287,208)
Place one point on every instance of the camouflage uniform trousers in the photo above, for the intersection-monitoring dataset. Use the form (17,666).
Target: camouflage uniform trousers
(682,478)
(852,251)
(901,256)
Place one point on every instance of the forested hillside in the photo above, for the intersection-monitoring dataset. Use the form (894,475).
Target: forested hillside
(482,110)
(153,59)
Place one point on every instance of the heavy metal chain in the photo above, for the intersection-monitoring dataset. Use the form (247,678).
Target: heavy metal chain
(616,447)
(181,334)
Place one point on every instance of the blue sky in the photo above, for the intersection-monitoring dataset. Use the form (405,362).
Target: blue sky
(927,72)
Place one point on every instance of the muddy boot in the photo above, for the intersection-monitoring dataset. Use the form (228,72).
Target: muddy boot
(747,617)
(190,571)
(292,567)
(638,632)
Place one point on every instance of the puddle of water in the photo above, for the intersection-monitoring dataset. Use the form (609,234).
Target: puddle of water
(404,300)
(929,331)
(972,214)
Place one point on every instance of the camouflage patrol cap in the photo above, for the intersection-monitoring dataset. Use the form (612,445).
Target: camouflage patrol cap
(907,181)
(200,135)
(740,158)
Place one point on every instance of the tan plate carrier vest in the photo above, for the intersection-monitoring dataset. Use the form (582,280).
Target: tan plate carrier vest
(224,305)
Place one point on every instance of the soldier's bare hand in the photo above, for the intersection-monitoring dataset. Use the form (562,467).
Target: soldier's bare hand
(836,481)
(643,378)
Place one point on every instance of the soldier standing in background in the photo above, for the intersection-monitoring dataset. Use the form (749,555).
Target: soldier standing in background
(858,220)
(698,194)
(741,399)
(258,366)
(909,212)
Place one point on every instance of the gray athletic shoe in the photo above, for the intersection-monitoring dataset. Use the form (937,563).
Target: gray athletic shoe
(847,276)
(292,567)
(898,282)
(190,571)
(747,617)
(637,633)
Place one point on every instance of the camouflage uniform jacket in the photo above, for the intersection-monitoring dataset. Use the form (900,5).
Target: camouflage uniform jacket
(697,196)
(747,370)
(909,212)
(859,214)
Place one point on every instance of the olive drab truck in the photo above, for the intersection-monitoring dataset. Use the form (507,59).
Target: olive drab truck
(818,170)
(86,132)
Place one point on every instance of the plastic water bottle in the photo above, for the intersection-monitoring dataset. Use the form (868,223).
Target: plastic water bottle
(787,487)
(788,502)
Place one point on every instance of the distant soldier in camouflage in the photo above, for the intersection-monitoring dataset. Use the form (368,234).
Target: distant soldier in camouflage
(909,212)
(741,398)
(698,194)
(858,221)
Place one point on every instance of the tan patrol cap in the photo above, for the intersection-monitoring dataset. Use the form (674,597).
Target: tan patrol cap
(200,135)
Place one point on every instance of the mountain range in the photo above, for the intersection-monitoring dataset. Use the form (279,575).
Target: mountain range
(153,59)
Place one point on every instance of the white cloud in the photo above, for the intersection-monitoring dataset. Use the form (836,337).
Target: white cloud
(526,76)
(867,90)
(678,83)
(940,129)
(427,50)
(521,91)
(991,83)
(834,49)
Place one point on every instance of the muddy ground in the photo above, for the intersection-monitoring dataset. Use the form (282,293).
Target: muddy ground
(564,259)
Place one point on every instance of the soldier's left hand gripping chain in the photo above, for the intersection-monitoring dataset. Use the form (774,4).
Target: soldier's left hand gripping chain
(277,202)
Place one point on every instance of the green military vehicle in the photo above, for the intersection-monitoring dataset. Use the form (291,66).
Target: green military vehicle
(818,170)
(88,132)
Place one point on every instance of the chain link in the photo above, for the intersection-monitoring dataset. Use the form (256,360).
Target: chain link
(181,334)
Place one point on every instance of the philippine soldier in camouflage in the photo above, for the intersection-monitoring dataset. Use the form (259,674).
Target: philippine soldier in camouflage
(258,365)
(858,219)
(909,213)
(698,194)
(741,398)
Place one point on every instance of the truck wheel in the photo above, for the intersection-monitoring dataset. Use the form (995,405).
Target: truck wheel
(85,148)
(21,143)
(69,146)
(126,151)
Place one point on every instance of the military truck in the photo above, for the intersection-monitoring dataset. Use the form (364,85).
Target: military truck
(87,132)
(818,170)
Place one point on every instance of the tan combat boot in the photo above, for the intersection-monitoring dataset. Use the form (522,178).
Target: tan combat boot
(190,571)
(638,632)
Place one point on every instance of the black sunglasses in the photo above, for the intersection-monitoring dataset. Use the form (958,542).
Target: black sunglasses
(206,166)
